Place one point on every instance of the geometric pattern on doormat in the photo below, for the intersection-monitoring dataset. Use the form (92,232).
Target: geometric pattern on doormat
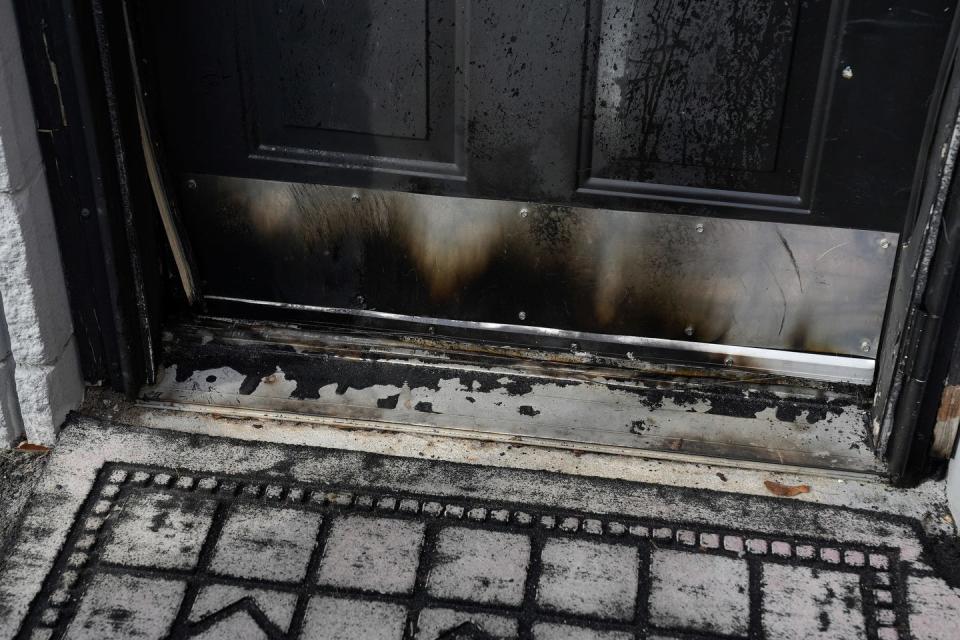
(165,553)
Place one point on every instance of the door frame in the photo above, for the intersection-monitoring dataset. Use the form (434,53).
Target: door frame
(113,246)
(918,356)
(104,216)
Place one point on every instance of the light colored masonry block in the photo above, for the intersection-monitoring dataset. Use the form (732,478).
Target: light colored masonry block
(11,423)
(40,355)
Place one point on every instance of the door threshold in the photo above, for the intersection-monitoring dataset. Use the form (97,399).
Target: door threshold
(355,382)
(865,491)
(237,415)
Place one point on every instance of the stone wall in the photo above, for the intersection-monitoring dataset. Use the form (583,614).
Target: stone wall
(40,379)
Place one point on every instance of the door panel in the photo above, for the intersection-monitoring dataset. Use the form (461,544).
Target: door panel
(396,107)
(329,50)
(693,93)
(724,109)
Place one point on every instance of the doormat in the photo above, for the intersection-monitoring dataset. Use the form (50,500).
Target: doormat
(174,536)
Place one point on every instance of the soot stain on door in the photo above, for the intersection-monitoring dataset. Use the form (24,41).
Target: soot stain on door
(525,264)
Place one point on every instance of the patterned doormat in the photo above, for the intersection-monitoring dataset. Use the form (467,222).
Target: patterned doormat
(278,548)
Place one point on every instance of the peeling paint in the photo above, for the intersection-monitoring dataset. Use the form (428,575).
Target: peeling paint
(948,421)
(818,427)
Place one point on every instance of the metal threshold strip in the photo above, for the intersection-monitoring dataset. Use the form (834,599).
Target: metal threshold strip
(813,366)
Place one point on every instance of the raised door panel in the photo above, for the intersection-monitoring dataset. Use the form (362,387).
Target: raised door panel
(368,93)
(704,101)
(333,61)
(524,78)
(355,84)
(808,111)
(735,109)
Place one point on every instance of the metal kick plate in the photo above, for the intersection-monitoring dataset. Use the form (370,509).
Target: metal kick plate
(702,280)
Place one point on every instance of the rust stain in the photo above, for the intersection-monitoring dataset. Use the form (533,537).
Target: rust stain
(949,404)
(948,419)
(35,448)
(786,491)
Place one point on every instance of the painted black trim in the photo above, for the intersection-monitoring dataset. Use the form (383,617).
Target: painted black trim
(936,361)
(923,323)
(104,223)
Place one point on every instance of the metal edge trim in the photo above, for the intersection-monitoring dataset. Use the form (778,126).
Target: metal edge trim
(810,365)
(694,195)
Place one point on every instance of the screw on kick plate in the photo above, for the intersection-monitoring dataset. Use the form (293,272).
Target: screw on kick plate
(865,345)
(847,73)
(689,330)
(884,243)
(524,212)
(728,361)
(699,228)
(192,184)
(355,197)
(522,315)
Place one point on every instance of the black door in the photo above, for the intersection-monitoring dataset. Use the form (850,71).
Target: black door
(734,173)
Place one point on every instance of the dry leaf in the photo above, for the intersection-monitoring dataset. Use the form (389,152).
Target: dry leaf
(785,490)
(27,446)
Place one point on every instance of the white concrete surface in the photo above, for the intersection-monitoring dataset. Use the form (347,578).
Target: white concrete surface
(40,354)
